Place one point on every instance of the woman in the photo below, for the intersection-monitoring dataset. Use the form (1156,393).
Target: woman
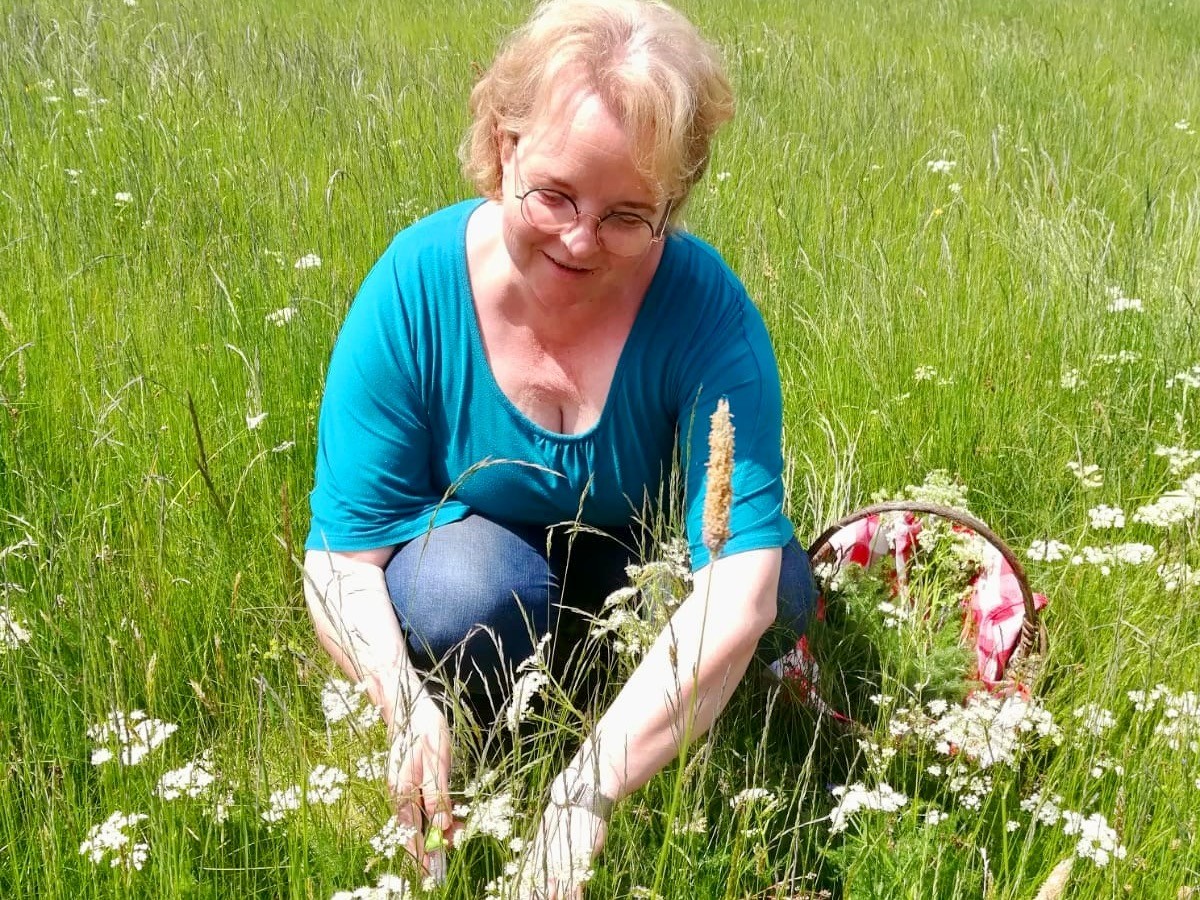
(538,357)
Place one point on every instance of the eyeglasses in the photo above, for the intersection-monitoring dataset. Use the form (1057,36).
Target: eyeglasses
(620,233)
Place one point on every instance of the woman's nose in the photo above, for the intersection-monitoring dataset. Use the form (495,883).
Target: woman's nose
(581,238)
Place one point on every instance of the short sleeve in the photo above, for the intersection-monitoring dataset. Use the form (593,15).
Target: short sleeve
(373,485)
(734,360)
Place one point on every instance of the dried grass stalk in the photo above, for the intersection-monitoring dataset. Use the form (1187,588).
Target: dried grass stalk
(718,496)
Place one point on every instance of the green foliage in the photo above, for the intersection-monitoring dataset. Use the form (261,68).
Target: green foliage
(924,318)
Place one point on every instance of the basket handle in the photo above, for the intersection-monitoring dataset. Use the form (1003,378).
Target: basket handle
(1033,631)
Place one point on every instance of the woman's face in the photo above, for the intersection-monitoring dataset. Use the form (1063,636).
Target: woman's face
(578,148)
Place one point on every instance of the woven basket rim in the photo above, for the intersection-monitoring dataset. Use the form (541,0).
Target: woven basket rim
(1033,631)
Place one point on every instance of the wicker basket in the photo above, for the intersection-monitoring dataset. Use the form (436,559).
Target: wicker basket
(1033,638)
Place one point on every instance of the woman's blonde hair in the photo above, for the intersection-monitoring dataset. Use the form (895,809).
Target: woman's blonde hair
(648,64)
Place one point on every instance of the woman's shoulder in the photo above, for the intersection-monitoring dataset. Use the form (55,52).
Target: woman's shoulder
(696,266)
(440,230)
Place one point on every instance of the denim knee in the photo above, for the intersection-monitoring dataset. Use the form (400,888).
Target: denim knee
(475,588)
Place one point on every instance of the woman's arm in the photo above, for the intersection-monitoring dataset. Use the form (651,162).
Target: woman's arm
(672,698)
(352,612)
(687,676)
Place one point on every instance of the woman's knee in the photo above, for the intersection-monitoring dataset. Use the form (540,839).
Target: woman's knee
(476,583)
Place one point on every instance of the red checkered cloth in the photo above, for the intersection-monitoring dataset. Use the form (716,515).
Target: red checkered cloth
(992,617)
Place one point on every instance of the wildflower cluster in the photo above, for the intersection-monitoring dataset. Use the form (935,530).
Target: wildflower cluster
(635,615)
(111,839)
(1097,840)
(344,702)
(13,632)
(134,735)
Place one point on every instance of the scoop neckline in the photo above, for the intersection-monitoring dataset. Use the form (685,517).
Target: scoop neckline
(632,340)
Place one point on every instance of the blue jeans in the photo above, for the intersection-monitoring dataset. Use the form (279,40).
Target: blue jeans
(478,593)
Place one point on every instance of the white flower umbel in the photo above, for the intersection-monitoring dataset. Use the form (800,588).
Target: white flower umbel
(991,730)
(282,803)
(325,785)
(1119,303)
(1189,378)
(1120,358)
(1048,551)
(122,198)
(524,690)
(1179,459)
(1178,575)
(753,796)
(1090,476)
(1071,380)
(941,166)
(1104,516)
(111,839)
(373,767)
(1173,507)
(855,797)
(1094,718)
(192,780)
(281,317)
(342,701)
(389,887)
(133,735)
(491,816)
(307,261)
(391,838)
(1130,554)
(924,373)
(255,420)
(1097,841)
(1045,810)
(13,632)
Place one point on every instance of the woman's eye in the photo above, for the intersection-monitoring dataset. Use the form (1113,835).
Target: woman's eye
(627,221)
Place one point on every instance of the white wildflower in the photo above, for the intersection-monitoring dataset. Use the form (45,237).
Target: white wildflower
(991,730)
(122,198)
(392,837)
(110,838)
(1097,841)
(1178,575)
(281,803)
(1072,380)
(524,690)
(1179,459)
(191,780)
(1045,810)
(1090,476)
(954,187)
(325,785)
(934,816)
(13,632)
(924,373)
(373,767)
(852,798)
(940,166)
(1048,551)
(754,796)
(1189,378)
(281,317)
(491,816)
(1119,303)
(345,702)
(254,420)
(1104,516)
(388,887)
(134,733)
(1120,358)
(1173,507)
(307,261)
(1095,719)
(723,176)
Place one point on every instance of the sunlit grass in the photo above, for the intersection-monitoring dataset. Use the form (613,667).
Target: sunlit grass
(930,203)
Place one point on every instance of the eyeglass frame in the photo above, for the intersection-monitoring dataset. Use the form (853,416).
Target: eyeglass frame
(656,234)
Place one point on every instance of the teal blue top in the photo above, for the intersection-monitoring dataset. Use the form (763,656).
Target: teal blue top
(414,430)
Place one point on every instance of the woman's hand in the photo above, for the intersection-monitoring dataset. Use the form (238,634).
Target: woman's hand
(559,861)
(418,775)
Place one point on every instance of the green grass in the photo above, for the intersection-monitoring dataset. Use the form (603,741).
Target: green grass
(250,136)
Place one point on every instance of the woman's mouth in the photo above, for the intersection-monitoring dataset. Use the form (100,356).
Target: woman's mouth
(564,267)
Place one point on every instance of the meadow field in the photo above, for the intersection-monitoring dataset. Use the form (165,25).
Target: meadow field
(973,229)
